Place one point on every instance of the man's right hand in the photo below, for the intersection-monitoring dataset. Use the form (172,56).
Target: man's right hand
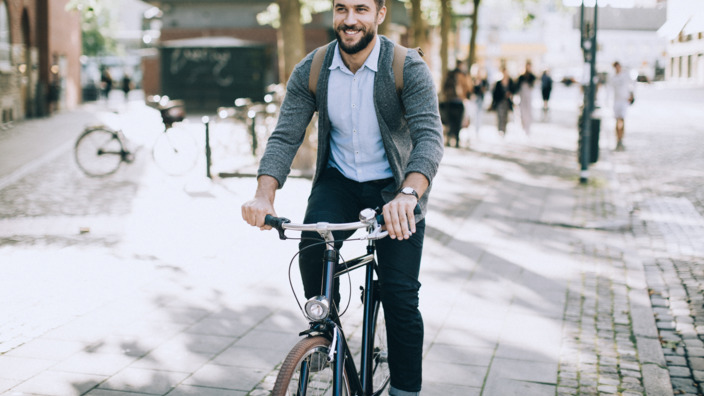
(255,210)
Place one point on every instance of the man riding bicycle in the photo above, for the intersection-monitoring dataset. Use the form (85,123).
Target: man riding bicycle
(376,148)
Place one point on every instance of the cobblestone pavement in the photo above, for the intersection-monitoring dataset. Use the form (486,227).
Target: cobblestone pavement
(662,176)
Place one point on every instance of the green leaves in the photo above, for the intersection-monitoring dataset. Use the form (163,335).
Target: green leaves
(96,26)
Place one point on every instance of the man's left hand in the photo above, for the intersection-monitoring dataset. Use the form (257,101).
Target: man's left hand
(399,218)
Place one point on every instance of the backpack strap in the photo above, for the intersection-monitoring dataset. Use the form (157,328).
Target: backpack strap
(315,67)
(397,64)
(400,53)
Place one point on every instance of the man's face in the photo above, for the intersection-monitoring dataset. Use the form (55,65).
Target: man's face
(355,23)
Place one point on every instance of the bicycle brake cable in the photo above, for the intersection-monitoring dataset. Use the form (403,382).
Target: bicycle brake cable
(290,265)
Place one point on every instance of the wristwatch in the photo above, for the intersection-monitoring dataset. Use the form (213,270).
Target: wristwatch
(410,191)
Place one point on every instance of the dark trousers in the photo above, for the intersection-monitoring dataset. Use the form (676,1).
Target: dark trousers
(336,199)
(455,114)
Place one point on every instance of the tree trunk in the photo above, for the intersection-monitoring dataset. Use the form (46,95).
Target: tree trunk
(417,25)
(473,39)
(291,38)
(445,26)
(291,45)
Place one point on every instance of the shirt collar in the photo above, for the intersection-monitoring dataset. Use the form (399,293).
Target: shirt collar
(371,63)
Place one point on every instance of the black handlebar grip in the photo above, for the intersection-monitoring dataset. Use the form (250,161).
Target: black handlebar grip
(276,222)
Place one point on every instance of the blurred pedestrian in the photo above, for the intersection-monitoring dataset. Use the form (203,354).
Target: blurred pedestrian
(502,99)
(106,82)
(623,97)
(526,82)
(456,88)
(481,86)
(126,84)
(545,90)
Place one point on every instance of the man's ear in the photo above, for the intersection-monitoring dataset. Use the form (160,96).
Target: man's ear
(381,15)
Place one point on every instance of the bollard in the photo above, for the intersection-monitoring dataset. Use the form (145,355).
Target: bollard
(253,130)
(206,121)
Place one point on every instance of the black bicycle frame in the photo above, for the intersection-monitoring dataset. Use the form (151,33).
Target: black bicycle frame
(360,382)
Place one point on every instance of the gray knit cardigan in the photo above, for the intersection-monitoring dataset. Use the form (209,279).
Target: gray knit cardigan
(411,131)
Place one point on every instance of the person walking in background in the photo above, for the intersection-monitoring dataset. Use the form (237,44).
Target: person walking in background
(126,84)
(526,82)
(375,148)
(456,88)
(545,90)
(623,97)
(502,99)
(481,86)
(106,82)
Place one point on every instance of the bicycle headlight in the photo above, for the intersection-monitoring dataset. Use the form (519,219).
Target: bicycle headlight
(317,308)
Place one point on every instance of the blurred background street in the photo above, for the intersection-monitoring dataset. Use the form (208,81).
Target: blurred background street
(534,282)
(147,283)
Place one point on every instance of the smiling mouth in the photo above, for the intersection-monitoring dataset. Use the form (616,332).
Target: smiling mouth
(350,31)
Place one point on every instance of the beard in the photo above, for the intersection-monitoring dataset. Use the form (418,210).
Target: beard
(367,38)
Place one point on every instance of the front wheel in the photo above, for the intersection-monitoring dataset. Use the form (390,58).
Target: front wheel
(99,152)
(380,359)
(175,151)
(306,370)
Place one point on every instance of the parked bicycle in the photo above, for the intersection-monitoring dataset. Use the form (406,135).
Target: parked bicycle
(258,118)
(322,362)
(100,150)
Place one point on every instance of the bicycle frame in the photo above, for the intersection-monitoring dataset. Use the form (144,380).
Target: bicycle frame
(360,382)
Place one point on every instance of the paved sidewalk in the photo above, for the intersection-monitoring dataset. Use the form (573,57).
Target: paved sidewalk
(532,283)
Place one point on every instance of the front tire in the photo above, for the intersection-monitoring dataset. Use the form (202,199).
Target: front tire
(307,365)
(380,360)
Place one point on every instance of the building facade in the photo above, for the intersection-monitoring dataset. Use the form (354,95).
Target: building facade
(219,21)
(40,48)
(684,31)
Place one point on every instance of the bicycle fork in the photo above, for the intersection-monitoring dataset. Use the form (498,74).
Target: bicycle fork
(339,354)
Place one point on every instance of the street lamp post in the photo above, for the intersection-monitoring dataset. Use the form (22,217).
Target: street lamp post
(588,44)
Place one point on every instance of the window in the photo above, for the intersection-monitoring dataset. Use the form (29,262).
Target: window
(4,37)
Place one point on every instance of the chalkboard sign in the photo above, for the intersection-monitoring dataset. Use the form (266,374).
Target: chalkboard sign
(214,71)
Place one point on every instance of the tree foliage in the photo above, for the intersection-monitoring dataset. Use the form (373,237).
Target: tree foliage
(96,26)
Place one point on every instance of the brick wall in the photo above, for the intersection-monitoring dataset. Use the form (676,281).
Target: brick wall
(42,35)
(65,51)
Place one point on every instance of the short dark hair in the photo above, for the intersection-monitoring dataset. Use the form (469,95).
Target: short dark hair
(379,4)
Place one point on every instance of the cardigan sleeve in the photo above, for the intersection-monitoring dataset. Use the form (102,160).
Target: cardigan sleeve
(420,101)
(295,114)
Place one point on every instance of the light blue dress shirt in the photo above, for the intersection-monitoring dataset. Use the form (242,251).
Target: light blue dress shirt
(356,148)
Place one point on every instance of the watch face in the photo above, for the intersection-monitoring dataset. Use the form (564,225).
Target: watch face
(409,191)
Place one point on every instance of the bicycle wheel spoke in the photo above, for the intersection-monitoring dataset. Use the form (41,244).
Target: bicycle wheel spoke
(306,371)
(381,375)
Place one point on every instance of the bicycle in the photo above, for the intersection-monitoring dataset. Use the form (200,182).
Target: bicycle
(322,362)
(100,150)
(258,118)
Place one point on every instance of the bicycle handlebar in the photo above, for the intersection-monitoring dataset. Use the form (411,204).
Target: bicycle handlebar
(282,224)
(369,218)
